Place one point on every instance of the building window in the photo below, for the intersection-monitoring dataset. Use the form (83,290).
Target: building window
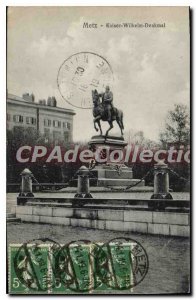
(57,136)
(8,117)
(18,119)
(66,137)
(57,124)
(46,132)
(67,125)
(31,120)
(47,122)
(18,130)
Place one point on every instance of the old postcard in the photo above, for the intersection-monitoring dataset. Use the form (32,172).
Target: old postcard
(98,150)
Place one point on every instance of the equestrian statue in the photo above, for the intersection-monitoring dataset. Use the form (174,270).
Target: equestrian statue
(103,110)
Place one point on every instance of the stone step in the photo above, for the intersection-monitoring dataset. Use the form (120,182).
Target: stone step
(119,182)
(11,215)
(98,189)
(9,219)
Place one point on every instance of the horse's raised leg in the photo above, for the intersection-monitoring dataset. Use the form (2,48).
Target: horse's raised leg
(119,120)
(99,124)
(111,126)
(120,126)
(95,121)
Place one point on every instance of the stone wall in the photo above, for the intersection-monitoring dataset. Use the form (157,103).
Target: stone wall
(126,220)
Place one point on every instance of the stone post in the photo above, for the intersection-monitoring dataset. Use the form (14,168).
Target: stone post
(83,183)
(161,181)
(26,185)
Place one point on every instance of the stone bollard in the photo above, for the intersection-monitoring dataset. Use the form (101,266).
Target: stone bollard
(161,181)
(83,183)
(26,185)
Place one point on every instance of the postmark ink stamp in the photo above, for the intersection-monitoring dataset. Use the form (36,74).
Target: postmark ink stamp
(122,263)
(77,267)
(32,266)
(81,73)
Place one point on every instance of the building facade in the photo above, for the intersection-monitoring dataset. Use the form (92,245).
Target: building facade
(52,122)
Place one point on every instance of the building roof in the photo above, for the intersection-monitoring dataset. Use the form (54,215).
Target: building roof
(19,100)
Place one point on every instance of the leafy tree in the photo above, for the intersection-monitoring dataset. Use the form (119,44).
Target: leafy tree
(177,133)
(177,126)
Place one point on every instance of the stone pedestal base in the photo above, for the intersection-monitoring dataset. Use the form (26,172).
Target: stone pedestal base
(111,171)
(113,175)
(114,142)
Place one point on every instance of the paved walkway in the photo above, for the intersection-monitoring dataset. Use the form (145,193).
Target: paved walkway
(169,258)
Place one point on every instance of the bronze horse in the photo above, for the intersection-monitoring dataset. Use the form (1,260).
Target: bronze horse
(99,114)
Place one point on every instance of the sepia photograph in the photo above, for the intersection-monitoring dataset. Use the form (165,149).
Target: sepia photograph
(98,180)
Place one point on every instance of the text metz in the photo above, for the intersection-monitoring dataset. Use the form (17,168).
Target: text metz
(89,25)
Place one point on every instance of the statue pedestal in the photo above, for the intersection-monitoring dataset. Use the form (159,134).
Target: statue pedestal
(108,150)
(110,169)
(116,142)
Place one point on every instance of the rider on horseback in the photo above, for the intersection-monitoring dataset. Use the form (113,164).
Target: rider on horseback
(105,111)
(107,101)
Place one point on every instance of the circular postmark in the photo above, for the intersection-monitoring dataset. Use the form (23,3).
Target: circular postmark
(122,263)
(75,266)
(79,74)
(34,264)
(80,266)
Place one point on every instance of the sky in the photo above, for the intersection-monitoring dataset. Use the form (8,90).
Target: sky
(150,65)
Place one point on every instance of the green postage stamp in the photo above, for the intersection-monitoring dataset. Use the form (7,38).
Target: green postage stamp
(81,267)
